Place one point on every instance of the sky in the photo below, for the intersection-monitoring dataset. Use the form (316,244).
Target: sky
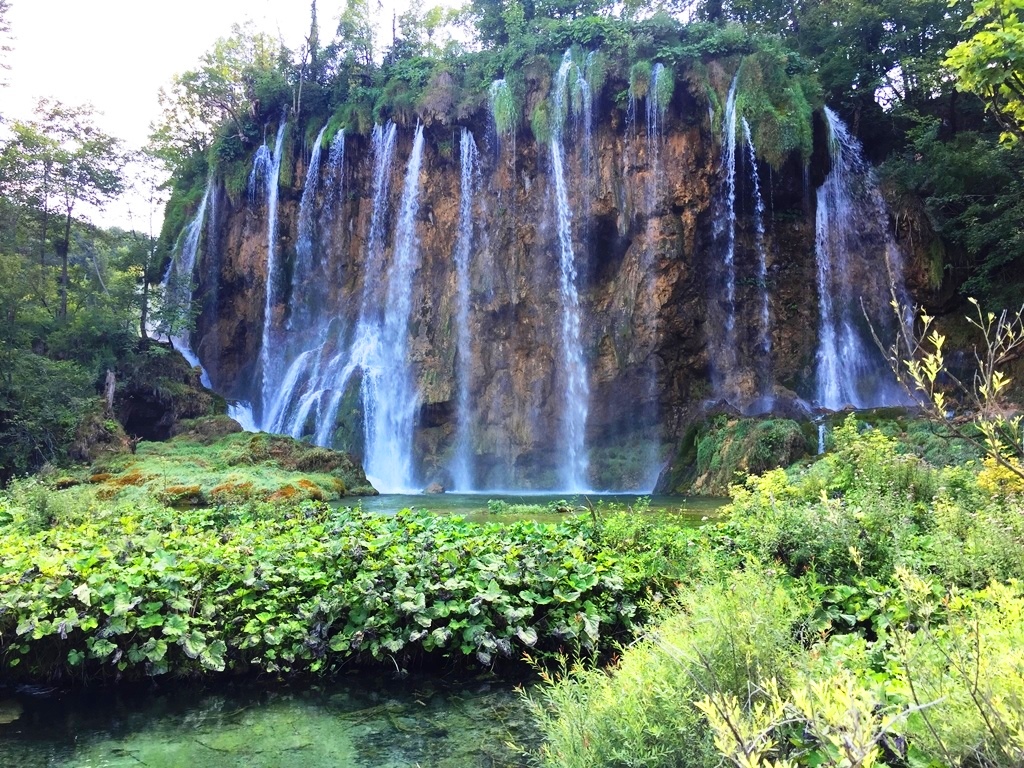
(116,54)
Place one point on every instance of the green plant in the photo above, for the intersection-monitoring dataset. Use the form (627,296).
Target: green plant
(727,637)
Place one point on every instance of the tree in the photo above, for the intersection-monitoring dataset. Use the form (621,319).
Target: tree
(991,62)
(60,162)
(86,171)
(239,81)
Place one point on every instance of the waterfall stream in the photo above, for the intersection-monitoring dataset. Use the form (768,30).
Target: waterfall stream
(461,466)
(390,397)
(270,172)
(763,351)
(573,471)
(178,279)
(851,221)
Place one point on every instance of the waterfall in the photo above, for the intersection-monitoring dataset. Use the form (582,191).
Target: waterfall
(268,173)
(307,290)
(461,465)
(178,278)
(335,165)
(764,341)
(330,389)
(851,227)
(390,397)
(308,299)
(262,162)
(576,394)
(655,128)
(729,167)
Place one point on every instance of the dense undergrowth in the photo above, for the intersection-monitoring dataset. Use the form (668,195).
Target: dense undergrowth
(862,609)
(96,590)
(865,609)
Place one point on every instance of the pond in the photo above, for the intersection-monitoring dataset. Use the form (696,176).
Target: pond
(691,510)
(357,722)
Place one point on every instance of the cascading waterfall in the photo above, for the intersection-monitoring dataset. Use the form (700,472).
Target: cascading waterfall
(461,466)
(333,183)
(577,391)
(308,297)
(177,280)
(729,223)
(850,215)
(330,389)
(655,129)
(764,342)
(390,396)
(333,186)
(307,290)
(269,172)
(261,164)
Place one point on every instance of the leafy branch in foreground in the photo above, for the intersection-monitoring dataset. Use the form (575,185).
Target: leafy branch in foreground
(918,359)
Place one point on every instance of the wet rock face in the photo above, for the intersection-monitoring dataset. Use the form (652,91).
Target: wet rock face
(648,276)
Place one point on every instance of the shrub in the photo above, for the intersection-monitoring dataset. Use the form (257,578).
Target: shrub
(727,636)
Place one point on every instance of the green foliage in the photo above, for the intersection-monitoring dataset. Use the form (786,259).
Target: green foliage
(136,589)
(640,79)
(716,454)
(989,62)
(504,109)
(970,186)
(866,508)
(723,637)
(41,403)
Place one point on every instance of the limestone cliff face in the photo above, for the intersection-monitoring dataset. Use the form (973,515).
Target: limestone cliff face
(649,256)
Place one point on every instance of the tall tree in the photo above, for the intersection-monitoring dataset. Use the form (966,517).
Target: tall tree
(991,62)
(61,162)
(238,82)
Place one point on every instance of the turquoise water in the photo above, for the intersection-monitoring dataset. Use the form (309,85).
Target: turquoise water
(367,722)
(473,506)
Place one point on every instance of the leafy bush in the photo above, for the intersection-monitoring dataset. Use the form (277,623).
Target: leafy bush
(727,637)
(118,589)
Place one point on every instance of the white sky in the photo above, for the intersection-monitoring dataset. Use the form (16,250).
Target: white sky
(116,54)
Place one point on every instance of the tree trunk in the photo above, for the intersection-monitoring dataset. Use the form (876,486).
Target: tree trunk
(63,247)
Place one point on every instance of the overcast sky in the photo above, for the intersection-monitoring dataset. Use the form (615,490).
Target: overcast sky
(115,54)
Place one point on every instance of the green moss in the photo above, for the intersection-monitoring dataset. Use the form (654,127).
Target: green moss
(214,462)
(640,79)
(716,454)
(666,87)
(504,108)
(778,97)
(540,123)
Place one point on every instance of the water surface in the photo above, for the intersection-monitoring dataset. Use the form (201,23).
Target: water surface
(362,722)
(690,510)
